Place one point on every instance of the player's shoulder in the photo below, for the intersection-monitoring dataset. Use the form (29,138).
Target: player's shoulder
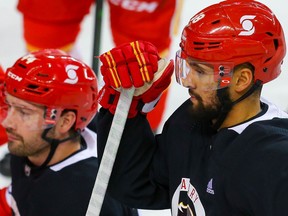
(266,140)
(267,132)
(264,136)
(181,115)
(270,116)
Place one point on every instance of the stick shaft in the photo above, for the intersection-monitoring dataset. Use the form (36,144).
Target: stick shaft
(110,151)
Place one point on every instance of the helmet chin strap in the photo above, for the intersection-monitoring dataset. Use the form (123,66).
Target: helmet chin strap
(54,144)
(226,107)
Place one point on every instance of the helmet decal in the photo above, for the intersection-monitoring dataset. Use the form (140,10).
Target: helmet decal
(14,76)
(197,18)
(247,25)
(29,58)
(71,73)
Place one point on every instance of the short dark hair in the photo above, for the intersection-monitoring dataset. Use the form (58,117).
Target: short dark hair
(72,131)
(245,65)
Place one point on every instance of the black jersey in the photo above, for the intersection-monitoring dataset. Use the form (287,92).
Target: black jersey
(194,170)
(62,189)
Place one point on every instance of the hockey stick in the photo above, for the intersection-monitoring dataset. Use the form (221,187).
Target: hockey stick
(110,152)
(97,34)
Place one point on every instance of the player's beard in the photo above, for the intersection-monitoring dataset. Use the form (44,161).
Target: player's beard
(25,148)
(213,110)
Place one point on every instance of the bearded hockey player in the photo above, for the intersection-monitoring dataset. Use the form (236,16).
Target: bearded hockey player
(51,99)
(224,151)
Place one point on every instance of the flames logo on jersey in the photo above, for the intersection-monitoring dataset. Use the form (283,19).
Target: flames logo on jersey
(193,206)
(184,210)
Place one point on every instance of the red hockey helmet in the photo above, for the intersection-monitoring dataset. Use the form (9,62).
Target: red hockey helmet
(56,80)
(234,32)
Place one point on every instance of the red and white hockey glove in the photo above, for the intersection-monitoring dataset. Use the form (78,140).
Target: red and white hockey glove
(135,64)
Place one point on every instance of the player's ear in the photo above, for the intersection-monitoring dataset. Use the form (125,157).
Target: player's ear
(242,79)
(66,122)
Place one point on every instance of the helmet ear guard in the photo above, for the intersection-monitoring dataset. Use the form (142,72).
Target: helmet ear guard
(51,115)
(236,32)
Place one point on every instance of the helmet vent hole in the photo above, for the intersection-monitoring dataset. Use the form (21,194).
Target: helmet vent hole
(276,44)
(32,86)
(21,65)
(215,22)
(213,45)
(198,43)
(268,59)
(269,33)
(83,119)
(36,89)
(210,45)
(42,75)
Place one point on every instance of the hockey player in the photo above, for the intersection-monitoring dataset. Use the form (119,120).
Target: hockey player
(57,24)
(224,151)
(51,98)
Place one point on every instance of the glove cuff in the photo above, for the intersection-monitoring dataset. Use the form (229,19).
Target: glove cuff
(108,99)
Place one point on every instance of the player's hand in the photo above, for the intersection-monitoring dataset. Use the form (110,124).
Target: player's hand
(135,64)
(130,64)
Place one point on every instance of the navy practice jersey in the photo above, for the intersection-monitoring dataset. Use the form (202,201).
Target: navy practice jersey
(196,171)
(63,189)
